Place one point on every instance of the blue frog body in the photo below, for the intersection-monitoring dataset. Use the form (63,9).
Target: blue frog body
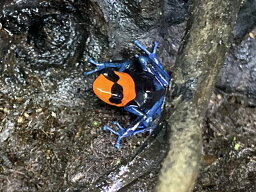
(138,85)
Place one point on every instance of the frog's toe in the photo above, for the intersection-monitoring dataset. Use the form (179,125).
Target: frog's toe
(117,145)
(89,72)
(119,132)
(137,43)
(107,128)
(90,60)
(150,131)
(118,125)
(155,46)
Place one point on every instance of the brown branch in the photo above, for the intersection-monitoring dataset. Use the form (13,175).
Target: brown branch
(196,68)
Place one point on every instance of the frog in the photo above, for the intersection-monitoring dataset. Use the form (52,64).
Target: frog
(138,85)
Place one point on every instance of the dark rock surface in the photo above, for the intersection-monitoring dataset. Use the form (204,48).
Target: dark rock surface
(238,75)
(228,162)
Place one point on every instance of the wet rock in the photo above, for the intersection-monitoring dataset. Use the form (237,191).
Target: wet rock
(246,20)
(46,33)
(238,72)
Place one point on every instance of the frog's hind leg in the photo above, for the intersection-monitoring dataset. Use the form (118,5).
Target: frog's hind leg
(142,123)
(119,133)
(153,113)
(125,132)
(149,125)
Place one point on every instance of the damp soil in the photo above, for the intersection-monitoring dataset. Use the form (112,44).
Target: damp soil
(50,121)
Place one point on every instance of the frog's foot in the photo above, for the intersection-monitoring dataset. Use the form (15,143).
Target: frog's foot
(103,65)
(155,47)
(143,130)
(151,55)
(120,133)
(137,43)
(147,122)
(99,66)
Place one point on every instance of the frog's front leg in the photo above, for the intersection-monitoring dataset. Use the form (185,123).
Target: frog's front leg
(156,67)
(151,55)
(103,65)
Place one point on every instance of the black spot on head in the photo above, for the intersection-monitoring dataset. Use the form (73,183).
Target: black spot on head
(110,75)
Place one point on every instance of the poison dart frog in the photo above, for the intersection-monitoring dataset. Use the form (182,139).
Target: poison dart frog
(138,85)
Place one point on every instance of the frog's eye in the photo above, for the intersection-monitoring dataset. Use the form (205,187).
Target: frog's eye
(116,94)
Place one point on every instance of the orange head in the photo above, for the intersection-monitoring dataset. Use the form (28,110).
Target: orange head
(115,88)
